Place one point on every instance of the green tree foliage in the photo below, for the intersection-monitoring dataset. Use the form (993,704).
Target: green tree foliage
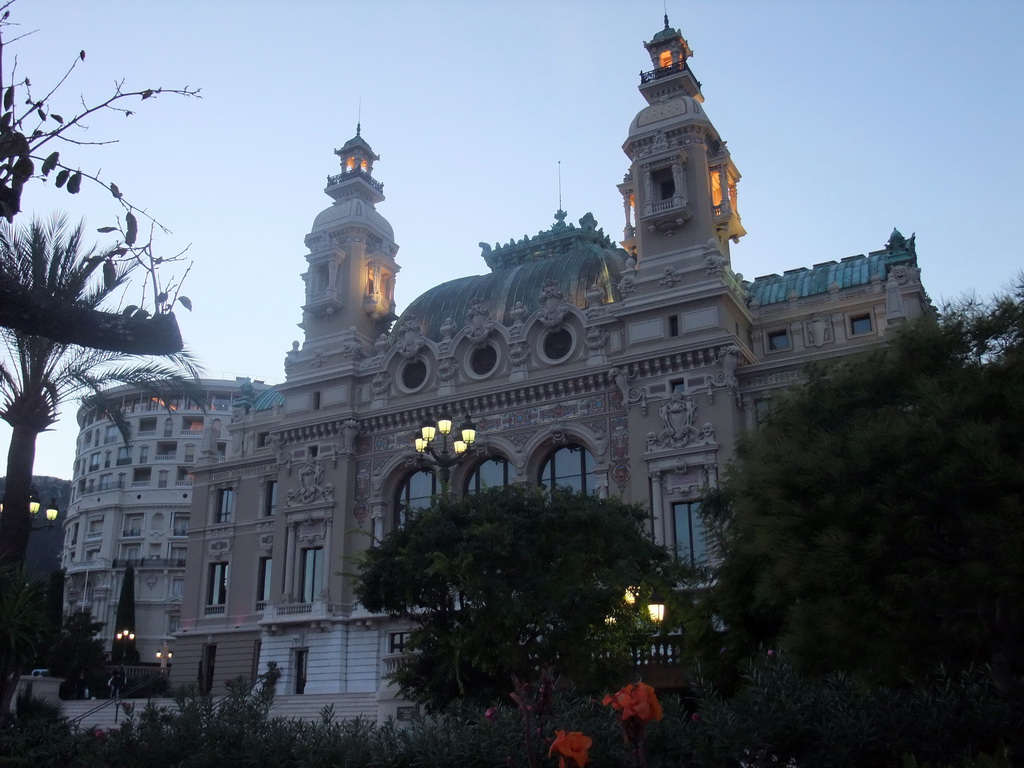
(23,627)
(124,650)
(509,581)
(875,524)
(77,652)
(38,374)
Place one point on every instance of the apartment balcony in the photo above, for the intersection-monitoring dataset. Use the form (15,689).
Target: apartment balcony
(278,614)
(131,532)
(167,457)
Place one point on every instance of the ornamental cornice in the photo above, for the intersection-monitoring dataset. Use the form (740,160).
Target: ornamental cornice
(236,472)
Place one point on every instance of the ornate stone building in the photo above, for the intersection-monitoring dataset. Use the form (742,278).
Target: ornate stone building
(131,503)
(625,368)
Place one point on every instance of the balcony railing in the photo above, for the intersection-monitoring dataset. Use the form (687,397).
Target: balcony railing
(167,457)
(355,173)
(215,610)
(660,72)
(149,562)
(131,532)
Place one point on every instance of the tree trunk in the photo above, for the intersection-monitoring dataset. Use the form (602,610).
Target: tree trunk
(16,522)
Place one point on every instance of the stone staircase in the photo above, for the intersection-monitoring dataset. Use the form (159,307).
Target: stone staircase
(104,713)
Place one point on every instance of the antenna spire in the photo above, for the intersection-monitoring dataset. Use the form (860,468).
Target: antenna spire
(559,185)
(359,116)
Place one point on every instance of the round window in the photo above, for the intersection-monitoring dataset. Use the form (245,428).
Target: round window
(483,360)
(557,344)
(414,374)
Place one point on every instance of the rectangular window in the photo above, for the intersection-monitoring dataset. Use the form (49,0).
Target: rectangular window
(217,588)
(130,553)
(94,462)
(225,505)
(190,453)
(397,641)
(270,498)
(673,325)
(312,573)
(132,525)
(316,400)
(778,340)
(263,577)
(147,427)
(176,554)
(124,456)
(95,527)
(860,324)
(177,587)
(110,435)
(691,543)
(106,482)
(143,454)
(179,526)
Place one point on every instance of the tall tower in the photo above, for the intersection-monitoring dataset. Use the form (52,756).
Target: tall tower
(679,194)
(350,281)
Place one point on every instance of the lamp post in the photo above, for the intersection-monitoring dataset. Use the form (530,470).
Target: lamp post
(164,655)
(123,640)
(33,510)
(445,449)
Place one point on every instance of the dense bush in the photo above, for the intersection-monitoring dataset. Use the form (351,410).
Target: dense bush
(777,718)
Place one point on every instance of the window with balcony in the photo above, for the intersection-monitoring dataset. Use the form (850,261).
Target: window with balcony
(94,462)
(129,553)
(162,476)
(217,584)
(176,555)
(106,482)
(190,453)
(166,451)
(142,476)
(111,434)
(95,529)
(147,426)
(168,427)
(312,573)
(691,543)
(192,425)
(143,454)
(132,525)
(179,525)
(263,582)
(124,456)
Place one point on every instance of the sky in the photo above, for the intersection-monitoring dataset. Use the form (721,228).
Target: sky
(845,119)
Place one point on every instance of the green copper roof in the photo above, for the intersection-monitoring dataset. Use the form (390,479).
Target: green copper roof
(850,272)
(575,258)
(268,400)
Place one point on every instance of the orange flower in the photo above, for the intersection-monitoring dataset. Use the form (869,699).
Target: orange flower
(572,745)
(636,700)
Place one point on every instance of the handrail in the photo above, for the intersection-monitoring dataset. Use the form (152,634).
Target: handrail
(117,701)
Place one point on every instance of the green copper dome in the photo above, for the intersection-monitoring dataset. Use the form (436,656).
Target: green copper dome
(576,259)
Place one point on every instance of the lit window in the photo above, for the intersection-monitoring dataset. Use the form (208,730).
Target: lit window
(778,341)
(860,324)
(665,59)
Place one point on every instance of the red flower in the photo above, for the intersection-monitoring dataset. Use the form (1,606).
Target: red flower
(572,745)
(636,700)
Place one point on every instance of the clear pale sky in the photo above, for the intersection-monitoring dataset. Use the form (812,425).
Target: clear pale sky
(846,119)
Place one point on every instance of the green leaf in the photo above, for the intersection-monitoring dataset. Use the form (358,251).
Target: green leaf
(62,177)
(42,115)
(186,302)
(50,163)
(162,298)
(115,191)
(75,183)
(9,98)
(131,229)
(57,117)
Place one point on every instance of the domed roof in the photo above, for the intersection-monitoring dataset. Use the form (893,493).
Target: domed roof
(575,259)
(678,110)
(352,210)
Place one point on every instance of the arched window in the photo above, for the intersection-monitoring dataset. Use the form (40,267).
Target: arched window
(494,472)
(570,467)
(414,493)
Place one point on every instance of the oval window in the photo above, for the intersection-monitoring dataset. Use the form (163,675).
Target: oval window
(414,374)
(557,344)
(483,360)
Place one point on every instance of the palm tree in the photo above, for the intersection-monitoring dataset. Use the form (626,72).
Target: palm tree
(38,374)
(23,628)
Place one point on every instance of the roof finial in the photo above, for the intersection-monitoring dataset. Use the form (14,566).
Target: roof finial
(664,5)
(359,117)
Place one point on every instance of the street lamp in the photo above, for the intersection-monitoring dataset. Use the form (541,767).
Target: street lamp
(165,654)
(51,513)
(452,448)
